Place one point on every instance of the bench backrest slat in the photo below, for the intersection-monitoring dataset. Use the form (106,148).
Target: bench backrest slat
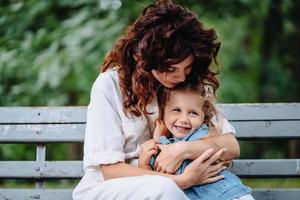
(73,169)
(33,133)
(66,194)
(234,112)
(261,111)
(53,115)
(37,170)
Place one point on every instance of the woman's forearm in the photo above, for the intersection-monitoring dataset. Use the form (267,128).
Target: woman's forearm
(194,149)
(119,170)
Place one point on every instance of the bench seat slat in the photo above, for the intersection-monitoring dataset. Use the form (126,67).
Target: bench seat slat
(66,194)
(276,193)
(73,169)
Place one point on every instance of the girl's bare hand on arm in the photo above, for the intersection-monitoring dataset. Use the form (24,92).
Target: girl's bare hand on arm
(170,158)
(148,149)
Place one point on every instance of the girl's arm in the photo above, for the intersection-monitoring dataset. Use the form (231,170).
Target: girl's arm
(201,171)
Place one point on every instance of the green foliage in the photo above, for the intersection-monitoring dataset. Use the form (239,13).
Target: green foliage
(51,51)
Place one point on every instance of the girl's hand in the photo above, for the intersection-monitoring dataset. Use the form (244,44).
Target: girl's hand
(204,169)
(160,130)
(148,149)
(170,157)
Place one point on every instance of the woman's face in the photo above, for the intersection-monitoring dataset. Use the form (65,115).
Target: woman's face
(176,74)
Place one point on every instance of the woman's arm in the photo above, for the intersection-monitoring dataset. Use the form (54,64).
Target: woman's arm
(201,171)
(228,141)
(172,155)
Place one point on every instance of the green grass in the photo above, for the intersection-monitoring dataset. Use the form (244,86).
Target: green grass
(272,182)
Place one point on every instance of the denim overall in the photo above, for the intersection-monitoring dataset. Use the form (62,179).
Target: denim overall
(225,189)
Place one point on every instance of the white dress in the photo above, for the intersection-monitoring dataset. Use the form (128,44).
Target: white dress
(113,137)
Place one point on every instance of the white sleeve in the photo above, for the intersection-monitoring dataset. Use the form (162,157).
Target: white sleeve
(104,139)
(227,127)
(223,124)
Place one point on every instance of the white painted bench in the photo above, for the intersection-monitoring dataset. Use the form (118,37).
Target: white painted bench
(42,125)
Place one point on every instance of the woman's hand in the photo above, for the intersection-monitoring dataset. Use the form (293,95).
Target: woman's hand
(148,149)
(204,169)
(170,157)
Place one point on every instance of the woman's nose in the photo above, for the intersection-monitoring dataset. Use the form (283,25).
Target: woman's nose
(180,76)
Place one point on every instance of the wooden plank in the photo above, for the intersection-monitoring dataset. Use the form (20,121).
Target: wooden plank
(66,194)
(73,169)
(37,170)
(267,129)
(63,114)
(266,168)
(32,133)
(261,111)
(69,114)
(276,193)
(42,194)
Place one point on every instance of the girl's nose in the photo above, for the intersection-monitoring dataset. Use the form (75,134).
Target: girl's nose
(184,119)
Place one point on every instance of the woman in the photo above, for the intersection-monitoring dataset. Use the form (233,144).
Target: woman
(165,46)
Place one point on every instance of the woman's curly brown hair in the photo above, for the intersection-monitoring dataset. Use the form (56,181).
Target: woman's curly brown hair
(165,34)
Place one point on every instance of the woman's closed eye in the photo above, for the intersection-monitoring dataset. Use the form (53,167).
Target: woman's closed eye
(171,69)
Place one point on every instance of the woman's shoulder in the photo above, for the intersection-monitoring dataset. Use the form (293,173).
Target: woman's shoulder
(106,77)
(108,83)
(108,80)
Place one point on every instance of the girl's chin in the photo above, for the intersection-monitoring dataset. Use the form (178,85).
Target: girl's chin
(180,135)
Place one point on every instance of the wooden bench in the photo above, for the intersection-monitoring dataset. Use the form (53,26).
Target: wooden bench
(42,125)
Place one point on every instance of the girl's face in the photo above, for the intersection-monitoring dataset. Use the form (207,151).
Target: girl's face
(176,74)
(183,113)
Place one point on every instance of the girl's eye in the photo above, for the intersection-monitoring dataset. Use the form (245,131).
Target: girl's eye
(176,110)
(194,113)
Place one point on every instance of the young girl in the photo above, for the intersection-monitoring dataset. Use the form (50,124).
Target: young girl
(187,116)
